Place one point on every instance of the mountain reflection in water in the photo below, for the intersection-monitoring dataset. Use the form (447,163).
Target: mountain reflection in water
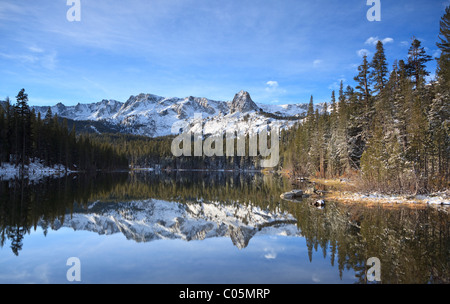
(413,244)
(148,220)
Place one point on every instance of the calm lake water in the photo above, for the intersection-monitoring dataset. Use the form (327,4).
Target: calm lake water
(216,227)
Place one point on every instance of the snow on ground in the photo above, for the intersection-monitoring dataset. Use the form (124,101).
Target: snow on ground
(439,198)
(35,171)
(344,190)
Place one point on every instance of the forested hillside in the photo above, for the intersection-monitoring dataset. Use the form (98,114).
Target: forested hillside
(26,137)
(392,128)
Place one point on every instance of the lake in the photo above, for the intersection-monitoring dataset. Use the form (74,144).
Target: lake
(209,227)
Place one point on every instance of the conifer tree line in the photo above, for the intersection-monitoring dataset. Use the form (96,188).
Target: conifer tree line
(392,127)
(26,137)
(145,152)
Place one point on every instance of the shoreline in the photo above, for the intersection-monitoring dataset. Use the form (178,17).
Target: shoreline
(34,171)
(345,192)
(342,190)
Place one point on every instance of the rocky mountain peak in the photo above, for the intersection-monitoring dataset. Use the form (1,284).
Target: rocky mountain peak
(142,98)
(153,116)
(242,102)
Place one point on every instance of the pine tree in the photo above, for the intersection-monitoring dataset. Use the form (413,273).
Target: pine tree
(38,136)
(309,136)
(439,112)
(373,168)
(3,135)
(310,111)
(418,144)
(342,134)
(333,155)
(24,127)
(355,144)
(443,71)
(379,69)
(10,123)
(322,138)
(364,114)
(382,121)
(402,100)
(48,116)
(416,66)
(438,117)
(315,146)
(444,32)
(363,81)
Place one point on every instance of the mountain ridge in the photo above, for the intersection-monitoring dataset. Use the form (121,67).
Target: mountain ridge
(153,116)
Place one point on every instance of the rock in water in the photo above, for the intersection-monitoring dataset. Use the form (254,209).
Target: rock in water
(319,203)
(292,194)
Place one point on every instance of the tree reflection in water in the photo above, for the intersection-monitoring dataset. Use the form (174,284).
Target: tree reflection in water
(413,244)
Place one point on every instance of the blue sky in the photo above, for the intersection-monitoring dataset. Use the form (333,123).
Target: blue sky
(280,51)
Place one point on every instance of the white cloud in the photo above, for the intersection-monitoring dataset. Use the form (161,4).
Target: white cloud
(49,60)
(337,84)
(436,53)
(10,11)
(274,90)
(272,84)
(36,57)
(270,253)
(19,58)
(363,52)
(35,49)
(315,278)
(405,43)
(317,62)
(374,40)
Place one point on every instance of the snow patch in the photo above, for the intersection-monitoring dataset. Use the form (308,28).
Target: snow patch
(34,171)
(439,198)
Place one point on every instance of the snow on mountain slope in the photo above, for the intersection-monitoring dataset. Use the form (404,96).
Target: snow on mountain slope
(285,110)
(153,116)
(102,110)
(152,219)
(242,102)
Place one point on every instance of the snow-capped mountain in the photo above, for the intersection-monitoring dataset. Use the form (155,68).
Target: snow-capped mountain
(148,220)
(153,116)
(242,102)
(102,110)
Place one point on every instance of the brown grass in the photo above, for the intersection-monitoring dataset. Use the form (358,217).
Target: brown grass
(346,191)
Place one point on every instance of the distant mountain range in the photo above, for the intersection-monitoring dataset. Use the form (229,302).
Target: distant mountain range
(153,116)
